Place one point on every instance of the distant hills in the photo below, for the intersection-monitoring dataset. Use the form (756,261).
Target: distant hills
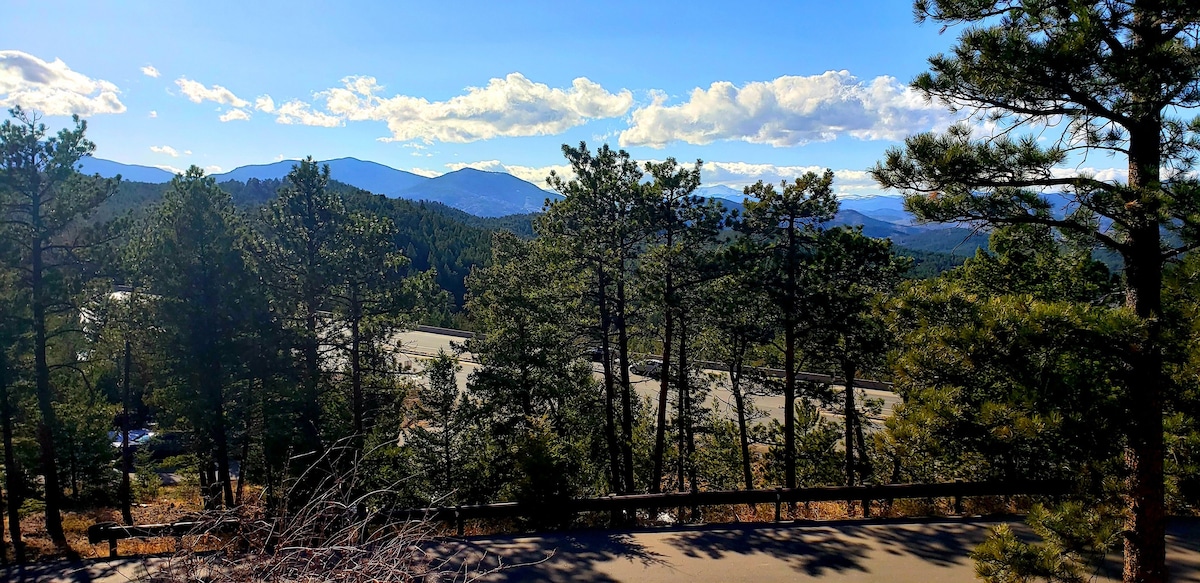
(484,194)
(497,194)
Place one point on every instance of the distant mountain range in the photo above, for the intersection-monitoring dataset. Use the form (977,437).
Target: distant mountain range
(481,193)
(496,194)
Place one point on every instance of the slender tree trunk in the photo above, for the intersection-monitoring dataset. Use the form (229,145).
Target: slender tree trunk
(685,404)
(685,381)
(789,362)
(243,464)
(12,474)
(660,430)
(214,390)
(610,430)
(739,400)
(48,421)
(789,407)
(3,543)
(126,452)
(850,413)
(626,387)
(311,414)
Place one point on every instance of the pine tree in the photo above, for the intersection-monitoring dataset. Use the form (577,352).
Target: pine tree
(44,198)
(779,228)
(1110,77)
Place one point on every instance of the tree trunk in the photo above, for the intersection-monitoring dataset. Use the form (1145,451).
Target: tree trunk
(221,442)
(626,387)
(1145,542)
(850,414)
(311,414)
(684,406)
(660,430)
(739,400)
(48,421)
(789,407)
(243,463)
(789,361)
(126,452)
(11,473)
(610,430)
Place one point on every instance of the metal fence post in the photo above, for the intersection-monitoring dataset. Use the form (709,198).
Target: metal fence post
(778,503)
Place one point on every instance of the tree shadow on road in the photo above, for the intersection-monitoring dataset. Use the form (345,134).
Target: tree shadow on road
(811,550)
(70,571)
(552,558)
(939,542)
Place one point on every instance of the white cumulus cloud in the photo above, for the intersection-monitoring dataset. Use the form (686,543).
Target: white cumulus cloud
(171,169)
(427,173)
(150,71)
(53,88)
(264,103)
(234,115)
(787,111)
(197,92)
(168,150)
(509,106)
(299,112)
(153,114)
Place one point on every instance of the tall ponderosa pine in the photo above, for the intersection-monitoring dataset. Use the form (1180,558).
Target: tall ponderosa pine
(684,230)
(304,230)
(780,227)
(368,298)
(191,259)
(734,328)
(852,272)
(43,200)
(1109,78)
(603,220)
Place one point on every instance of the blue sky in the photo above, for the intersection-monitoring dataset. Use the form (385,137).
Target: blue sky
(757,89)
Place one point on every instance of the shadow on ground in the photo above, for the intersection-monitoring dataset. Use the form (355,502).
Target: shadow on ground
(73,571)
(551,557)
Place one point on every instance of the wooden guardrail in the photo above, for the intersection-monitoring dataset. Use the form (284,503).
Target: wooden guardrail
(778,497)
(112,532)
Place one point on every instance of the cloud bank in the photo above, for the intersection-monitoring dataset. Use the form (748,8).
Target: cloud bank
(507,107)
(52,88)
(787,111)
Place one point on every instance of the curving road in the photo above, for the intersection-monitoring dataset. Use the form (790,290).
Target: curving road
(417,346)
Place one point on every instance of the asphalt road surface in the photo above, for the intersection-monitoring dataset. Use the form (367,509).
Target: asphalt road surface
(930,551)
(418,346)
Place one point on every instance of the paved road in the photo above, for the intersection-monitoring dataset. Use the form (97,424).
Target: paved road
(842,552)
(418,345)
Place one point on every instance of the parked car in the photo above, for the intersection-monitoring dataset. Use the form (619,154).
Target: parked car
(137,437)
(651,367)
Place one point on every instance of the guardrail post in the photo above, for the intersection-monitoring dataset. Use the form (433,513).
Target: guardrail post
(958,503)
(458,520)
(112,547)
(778,503)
